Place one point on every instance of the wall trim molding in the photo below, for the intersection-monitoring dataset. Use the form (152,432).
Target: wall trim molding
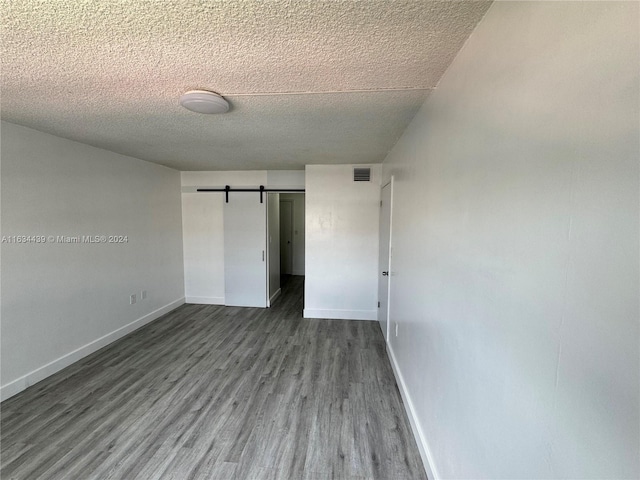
(22,383)
(418,433)
(341,314)
(205,300)
(275,295)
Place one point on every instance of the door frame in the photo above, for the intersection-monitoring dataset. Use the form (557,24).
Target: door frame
(291,223)
(390,184)
(271,298)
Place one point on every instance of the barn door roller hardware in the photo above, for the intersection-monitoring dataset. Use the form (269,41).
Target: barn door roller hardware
(262,190)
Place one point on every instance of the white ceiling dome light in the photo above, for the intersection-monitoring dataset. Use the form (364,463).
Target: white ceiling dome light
(202,101)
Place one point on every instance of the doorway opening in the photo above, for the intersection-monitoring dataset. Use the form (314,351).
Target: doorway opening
(292,240)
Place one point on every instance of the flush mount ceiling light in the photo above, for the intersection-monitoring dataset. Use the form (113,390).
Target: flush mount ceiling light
(202,101)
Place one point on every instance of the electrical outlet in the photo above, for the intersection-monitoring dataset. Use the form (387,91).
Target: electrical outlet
(396,329)
(143,294)
(132,299)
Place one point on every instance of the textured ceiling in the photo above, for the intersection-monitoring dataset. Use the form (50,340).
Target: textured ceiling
(318,81)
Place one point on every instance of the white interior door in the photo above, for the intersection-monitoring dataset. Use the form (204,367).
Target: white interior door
(384,260)
(286,237)
(245,244)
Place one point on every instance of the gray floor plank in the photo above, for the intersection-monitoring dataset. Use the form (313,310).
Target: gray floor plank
(212,392)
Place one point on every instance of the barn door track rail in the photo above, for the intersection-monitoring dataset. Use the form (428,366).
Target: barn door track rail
(262,190)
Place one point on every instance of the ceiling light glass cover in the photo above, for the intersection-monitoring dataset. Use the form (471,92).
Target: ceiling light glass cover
(202,101)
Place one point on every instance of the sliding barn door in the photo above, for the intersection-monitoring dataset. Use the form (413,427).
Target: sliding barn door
(245,243)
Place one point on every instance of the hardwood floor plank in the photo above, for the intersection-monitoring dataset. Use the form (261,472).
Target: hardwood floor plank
(213,392)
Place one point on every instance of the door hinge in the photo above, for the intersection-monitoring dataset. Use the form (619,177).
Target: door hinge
(378,304)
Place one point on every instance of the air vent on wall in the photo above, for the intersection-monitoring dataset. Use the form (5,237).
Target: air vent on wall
(361,174)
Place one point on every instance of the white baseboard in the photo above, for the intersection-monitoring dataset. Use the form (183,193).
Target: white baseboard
(205,300)
(275,295)
(341,314)
(20,384)
(421,440)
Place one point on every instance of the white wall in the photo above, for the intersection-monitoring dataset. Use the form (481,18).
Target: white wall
(273,241)
(515,267)
(61,302)
(298,230)
(342,216)
(193,180)
(285,178)
(203,230)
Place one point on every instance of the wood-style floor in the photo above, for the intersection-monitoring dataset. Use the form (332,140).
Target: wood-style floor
(211,392)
